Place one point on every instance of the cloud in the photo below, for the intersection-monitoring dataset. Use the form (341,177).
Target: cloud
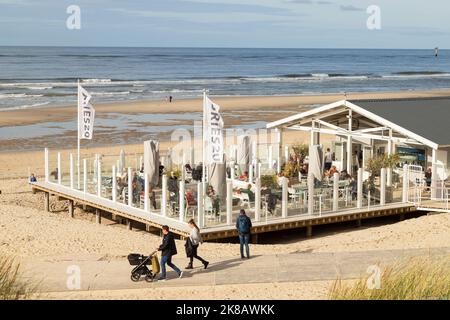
(350,8)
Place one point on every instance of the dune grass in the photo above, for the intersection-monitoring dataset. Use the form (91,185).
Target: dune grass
(415,279)
(12,287)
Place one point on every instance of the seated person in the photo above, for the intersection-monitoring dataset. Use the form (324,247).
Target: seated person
(244,176)
(215,199)
(344,175)
(188,172)
(304,170)
(33,178)
(172,185)
(332,171)
(191,199)
(197,173)
(248,190)
(137,190)
(55,173)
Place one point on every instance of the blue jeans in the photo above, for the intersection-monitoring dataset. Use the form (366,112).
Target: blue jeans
(244,239)
(168,260)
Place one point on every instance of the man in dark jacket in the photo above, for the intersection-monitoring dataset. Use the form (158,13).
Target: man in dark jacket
(244,225)
(168,249)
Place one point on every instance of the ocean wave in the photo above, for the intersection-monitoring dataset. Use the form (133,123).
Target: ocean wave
(110,93)
(38,87)
(25,106)
(96,80)
(19,95)
(416,75)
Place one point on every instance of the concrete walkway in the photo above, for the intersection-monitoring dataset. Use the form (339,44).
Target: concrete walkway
(99,273)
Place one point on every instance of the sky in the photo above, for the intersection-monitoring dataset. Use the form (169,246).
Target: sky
(227,23)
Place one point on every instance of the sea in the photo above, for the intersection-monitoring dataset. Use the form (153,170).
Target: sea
(32,77)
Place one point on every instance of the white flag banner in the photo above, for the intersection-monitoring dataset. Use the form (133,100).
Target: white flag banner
(84,97)
(86,113)
(214,132)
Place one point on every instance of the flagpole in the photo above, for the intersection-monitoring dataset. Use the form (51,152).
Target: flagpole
(78,133)
(204,141)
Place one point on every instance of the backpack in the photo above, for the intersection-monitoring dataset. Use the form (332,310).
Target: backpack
(244,225)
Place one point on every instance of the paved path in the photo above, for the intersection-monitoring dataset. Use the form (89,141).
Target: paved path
(98,273)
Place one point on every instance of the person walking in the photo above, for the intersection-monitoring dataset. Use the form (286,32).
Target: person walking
(192,243)
(168,249)
(244,225)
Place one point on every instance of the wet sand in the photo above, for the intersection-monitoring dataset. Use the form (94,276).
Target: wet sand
(58,114)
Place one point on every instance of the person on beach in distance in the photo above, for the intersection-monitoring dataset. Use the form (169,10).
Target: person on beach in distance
(244,225)
(168,249)
(195,239)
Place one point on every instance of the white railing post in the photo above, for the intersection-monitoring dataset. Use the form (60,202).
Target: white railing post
(84,175)
(229,202)
(270,157)
(182,201)
(310,193)
(59,168)
(114,184)
(258,199)
(200,212)
(99,177)
(286,154)
(278,164)
(164,196)
(71,171)
(130,187)
(383,186)
(250,171)
(359,189)
(284,198)
(232,172)
(335,191)
(46,169)
(254,150)
(146,193)
(405,190)
(259,169)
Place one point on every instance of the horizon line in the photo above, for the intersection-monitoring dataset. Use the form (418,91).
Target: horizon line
(219,47)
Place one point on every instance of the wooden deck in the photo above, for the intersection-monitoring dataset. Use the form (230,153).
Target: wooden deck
(223,231)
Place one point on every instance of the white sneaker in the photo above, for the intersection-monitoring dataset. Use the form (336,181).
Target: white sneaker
(180,275)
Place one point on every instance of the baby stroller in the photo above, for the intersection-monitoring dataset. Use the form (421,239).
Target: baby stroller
(141,262)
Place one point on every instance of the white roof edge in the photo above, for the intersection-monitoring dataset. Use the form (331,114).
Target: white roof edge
(360,110)
(305,114)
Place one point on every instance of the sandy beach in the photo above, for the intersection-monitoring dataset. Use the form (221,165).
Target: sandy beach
(34,236)
(30,234)
(257,103)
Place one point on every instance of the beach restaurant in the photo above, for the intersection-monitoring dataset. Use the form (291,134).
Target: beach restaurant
(152,190)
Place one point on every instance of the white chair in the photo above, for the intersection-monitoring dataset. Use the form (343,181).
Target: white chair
(294,196)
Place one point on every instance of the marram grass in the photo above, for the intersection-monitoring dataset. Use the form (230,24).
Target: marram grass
(12,286)
(414,279)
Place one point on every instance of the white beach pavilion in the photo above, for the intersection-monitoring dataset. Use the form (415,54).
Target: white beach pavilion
(415,129)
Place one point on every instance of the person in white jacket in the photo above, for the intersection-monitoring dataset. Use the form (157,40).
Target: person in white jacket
(195,238)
